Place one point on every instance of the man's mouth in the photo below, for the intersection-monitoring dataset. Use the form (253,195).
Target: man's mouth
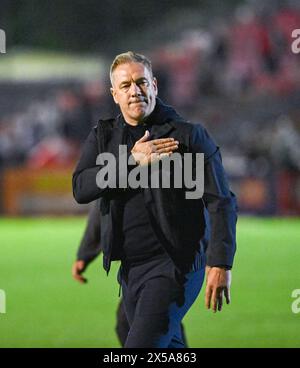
(137,102)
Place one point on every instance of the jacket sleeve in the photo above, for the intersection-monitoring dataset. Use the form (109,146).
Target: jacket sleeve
(87,182)
(219,201)
(84,184)
(90,246)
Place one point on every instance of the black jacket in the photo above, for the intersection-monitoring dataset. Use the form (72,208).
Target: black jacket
(179,223)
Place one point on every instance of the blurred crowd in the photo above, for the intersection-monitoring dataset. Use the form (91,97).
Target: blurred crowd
(221,75)
(247,55)
(48,131)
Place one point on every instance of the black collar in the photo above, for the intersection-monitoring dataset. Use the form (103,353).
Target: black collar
(158,121)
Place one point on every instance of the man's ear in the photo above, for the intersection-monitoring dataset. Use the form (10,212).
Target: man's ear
(154,81)
(113,93)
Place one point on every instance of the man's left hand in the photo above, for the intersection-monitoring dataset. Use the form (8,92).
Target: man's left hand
(218,282)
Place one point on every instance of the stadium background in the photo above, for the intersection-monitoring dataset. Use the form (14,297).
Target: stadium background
(227,65)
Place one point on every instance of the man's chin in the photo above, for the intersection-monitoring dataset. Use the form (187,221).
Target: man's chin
(138,118)
(139,113)
(138,108)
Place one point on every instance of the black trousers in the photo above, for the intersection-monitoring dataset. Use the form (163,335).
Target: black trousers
(155,299)
(122,326)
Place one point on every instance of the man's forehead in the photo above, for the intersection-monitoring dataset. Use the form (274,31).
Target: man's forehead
(131,70)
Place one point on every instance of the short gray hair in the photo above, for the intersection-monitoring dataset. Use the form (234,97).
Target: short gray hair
(130,57)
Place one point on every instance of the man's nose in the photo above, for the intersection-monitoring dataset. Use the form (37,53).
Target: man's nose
(135,90)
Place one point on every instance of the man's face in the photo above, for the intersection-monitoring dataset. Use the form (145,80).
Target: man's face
(134,90)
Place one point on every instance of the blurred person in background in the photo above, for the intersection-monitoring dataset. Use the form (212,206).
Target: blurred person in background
(157,233)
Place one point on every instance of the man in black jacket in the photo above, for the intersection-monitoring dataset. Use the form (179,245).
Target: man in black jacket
(157,232)
(89,249)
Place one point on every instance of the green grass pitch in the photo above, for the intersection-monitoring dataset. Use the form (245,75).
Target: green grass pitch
(45,307)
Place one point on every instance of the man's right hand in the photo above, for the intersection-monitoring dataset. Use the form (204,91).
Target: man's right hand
(146,152)
(77,269)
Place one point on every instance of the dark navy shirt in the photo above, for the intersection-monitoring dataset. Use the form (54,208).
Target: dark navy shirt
(140,241)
